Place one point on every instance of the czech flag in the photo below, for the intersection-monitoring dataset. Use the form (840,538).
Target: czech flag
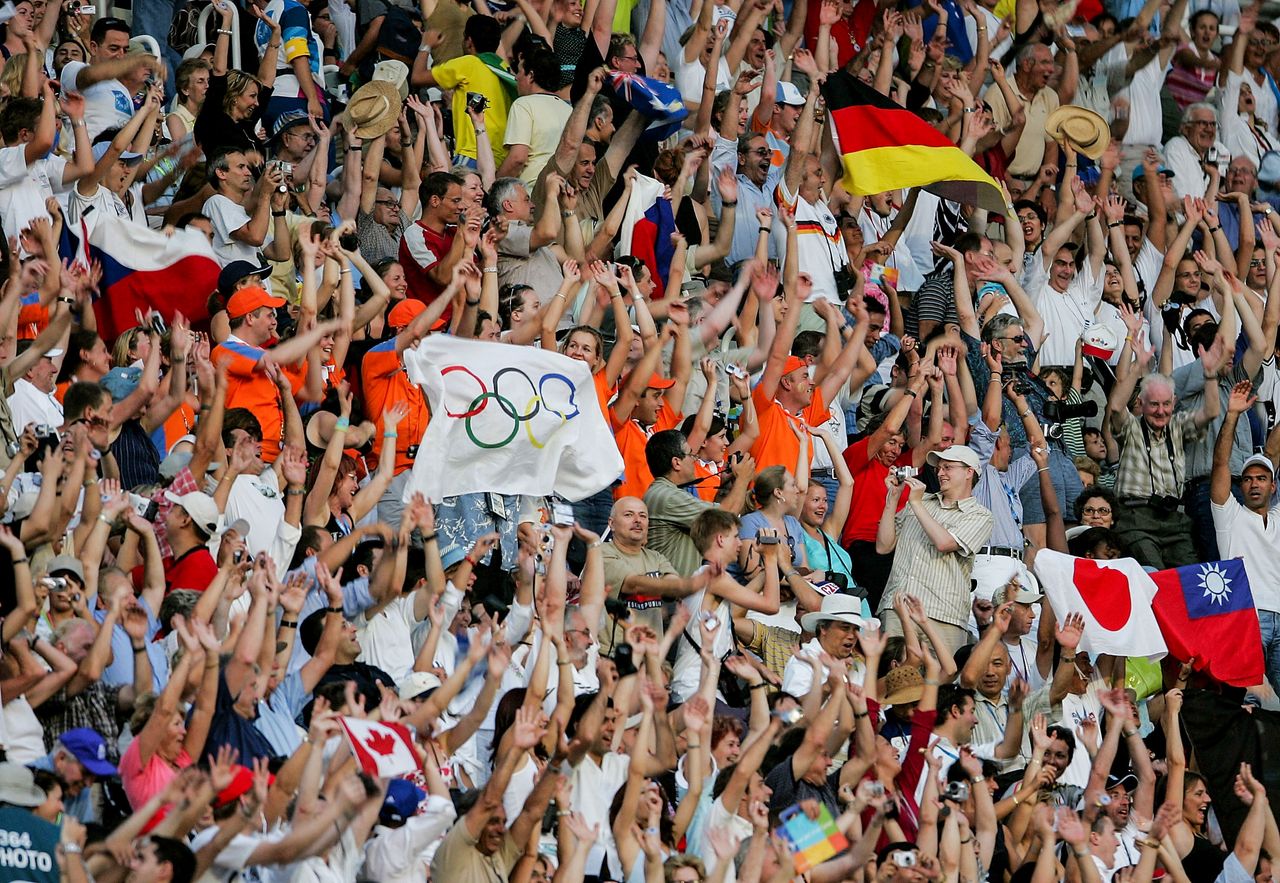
(647,226)
(1206,612)
(884,146)
(144,269)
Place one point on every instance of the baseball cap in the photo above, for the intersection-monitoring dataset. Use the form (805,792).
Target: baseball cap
(794,363)
(789,94)
(288,118)
(405,312)
(1162,170)
(66,564)
(657,381)
(417,684)
(1100,341)
(1259,460)
(237,270)
(246,300)
(401,802)
(201,507)
(100,150)
(120,382)
(241,784)
(1128,781)
(90,749)
(956,454)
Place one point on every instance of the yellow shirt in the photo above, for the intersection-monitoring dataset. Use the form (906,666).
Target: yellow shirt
(464,74)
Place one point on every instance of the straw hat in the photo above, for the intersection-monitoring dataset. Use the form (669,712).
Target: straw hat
(373,110)
(1087,131)
(902,685)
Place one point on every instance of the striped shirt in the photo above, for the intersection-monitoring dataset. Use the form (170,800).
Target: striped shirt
(941,580)
(820,248)
(1146,468)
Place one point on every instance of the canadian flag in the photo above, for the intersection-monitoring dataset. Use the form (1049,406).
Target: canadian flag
(384,750)
(1114,597)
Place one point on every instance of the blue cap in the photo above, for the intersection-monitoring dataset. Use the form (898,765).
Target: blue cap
(90,749)
(401,804)
(287,119)
(451,555)
(120,382)
(1140,171)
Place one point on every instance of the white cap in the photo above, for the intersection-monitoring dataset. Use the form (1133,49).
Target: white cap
(789,94)
(417,683)
(1259,460)
(201,507)
(958,454)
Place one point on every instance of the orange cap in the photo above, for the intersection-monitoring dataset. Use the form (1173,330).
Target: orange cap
(794,363)
(405,312)
(657,381)
(246,300)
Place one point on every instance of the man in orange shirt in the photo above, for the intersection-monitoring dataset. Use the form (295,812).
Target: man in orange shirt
(252,313)
(788,394)
(385,382)
(647,404)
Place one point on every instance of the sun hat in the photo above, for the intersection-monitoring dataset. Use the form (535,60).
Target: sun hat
(1086,131)
(18,786)
(902,685)
(373,110)
(835,608)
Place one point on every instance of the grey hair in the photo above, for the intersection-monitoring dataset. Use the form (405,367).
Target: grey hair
(998,323)
(502,190)
(1156,379)
(67,627)
(1199,105)
(220,163)
(1025,53)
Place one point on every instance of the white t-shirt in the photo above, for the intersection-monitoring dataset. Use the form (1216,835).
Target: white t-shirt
(536,121)
(797,677)
(1143,92)
(228,217)
(385,637)
(31,405)
(1066,314)
(691,76)
(24,188)
(1242,534)
(688,668)
(720,819)
(106,206)
(818,241)
(594,786)
(398,855)
(107,105)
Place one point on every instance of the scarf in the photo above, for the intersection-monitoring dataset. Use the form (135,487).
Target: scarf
(499,67)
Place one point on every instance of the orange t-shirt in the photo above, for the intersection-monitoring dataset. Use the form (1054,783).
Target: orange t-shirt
(249,388)
(604,392)
(707,489)
(631,438)
(777,444)
(384,382)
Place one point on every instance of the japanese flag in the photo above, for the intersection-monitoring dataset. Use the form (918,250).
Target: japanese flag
(384,750)
(1114,597)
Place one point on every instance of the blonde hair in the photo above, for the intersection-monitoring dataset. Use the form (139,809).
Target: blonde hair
(238,83)
(11,75)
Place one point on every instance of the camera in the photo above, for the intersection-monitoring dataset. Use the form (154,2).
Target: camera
(617,609)
(709,619)
(877,789)
(287,170)
(1164,504)
(624,660)
(956,791)
(146,508)
(790,716)
(844,283)
(349,241)
(44,430)
(55,583)
(561,514)
(477,102)
(738,371)
(902,473)
(768,539)
(158,324)
(903,858)
(1058,411)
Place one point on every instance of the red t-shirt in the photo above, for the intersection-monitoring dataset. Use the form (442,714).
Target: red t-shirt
(194,570)
(868,491)
(421,248)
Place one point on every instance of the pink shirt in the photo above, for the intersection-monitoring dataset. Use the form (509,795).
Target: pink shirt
(141,783)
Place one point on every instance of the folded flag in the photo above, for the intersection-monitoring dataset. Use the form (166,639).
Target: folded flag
(529,415)
(143,269)
(1114,597)
(1206,612)
(383,749)
(884,146)
(658,101)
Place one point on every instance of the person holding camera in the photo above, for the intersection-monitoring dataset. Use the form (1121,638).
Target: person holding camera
(934,541)
(1153,457)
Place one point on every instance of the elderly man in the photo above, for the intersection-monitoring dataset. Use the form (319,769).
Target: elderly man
(1031,84)
(1153,459)
(1241,179)
(530,254)
(934,540)
(757,181)
(835,632)
(640,577)
(1193,151)
(79,758)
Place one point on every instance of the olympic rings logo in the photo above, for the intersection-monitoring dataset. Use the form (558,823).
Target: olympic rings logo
(536,403)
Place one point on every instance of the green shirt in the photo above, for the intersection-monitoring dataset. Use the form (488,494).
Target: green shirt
(671,513)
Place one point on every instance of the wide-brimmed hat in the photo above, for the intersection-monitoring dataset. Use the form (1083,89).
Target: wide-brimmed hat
(835,608)
(18,786)
(374,109)
(394,72)
(902,685)
(1086,131)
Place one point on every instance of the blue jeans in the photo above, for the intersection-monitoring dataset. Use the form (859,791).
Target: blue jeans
(155,17)
(1269,621)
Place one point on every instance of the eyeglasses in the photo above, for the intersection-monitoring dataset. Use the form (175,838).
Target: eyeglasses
(386,202)
(1256,262)
(1019,338)
(1096,510)
(758,151)
(1206,124)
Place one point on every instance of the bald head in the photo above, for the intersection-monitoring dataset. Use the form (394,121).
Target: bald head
(629,523)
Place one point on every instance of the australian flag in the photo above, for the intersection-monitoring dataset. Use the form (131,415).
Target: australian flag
(1206,613)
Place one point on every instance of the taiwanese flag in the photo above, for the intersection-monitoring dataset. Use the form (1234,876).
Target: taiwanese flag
(884,146)
(143,269)
(1206,611)
(647,226)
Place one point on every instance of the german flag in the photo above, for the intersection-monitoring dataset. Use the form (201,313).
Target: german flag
(884,146)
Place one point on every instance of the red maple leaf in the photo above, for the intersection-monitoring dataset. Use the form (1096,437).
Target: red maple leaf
(382,743)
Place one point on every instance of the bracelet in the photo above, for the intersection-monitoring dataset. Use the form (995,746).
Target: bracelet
(565,214)
(766,230)
(66,300)
(978,780)
(558,294)
(142,649)
(337,610)
(276,214)
(1016,801)
(760,686)
(288,623)
(561,813)
(467,558)
(352,148)
(482,131)
(295,492)
(996,373)
(931,682)
(491,269)
(913,394)
(968,839)
(476,302)
(563,662)
(1150,841)
(1079,853)
(72,849)
(726,204)
(859,715)
(1093,214)
(1025,414)
(390,435)
(274,45)
(1214,229)
(80,123)
(1129,734)
(693,747)
(424,48)
(343,424)
(345,271)
(1114,225)
(109,522)
(17,561)
(595,545)
(428,537)
(970,110)
(226,31)
(1043,469)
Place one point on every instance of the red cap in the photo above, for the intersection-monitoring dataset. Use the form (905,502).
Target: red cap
(241,784)
(657,381)
(246,300)
(794,363)
(405,312)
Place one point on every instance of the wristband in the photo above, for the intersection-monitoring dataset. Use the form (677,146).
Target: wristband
(288,623)
(1112,226)
(17,561)
(66,300)
(276,214)
(726,204)
(352,148)
(390,435)
(766,230)
(760,686)
(1214,229)
(467,558)
(107,521)
(970,110)
(71,848)
(476,302)
(337,610)
(491,269)
(913,394)
(692,746)
(343,424)
(931,682)
(295,492)
(142,649)
(1150,841)
(428,537)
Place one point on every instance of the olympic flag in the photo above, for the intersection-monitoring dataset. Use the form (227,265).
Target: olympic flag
(517,417)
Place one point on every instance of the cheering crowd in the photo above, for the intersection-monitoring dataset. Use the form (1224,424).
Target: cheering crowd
(859,380)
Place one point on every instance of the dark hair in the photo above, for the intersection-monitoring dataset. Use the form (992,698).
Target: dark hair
(1095,491)
(952,696)
(243,419)
(1065,735)
(808,343)
(1084,543)
(437,184)
(82,339)
(190,218)
(308,541)
(510,299)
(81,396)
(717,426)
(310,630)
(1203,337)
(873,305)
(176,854)
(1036,207)
(661,448)
(104,26)
(968,241)
(485,33)
(18,114)
(543,66)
